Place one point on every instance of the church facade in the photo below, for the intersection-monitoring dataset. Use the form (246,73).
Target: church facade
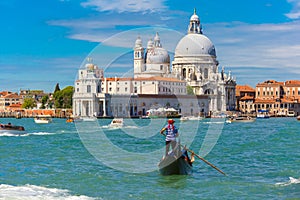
(155,84)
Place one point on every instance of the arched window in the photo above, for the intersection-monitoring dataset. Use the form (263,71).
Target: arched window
(184,73)
(206,73)
(88,89)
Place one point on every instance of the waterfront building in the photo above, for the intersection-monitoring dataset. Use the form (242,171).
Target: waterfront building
(155,85)
(279,98)
(245,96)
(8,99)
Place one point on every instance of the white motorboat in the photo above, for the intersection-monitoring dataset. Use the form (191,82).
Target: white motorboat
(43,119)
(242,119)
(262,114)
(88,119)
(116,123)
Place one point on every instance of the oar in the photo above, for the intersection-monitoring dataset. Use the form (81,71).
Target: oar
(204,160)
(213,166)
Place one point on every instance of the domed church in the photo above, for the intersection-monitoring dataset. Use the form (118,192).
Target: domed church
(155,85)
(195,61)
(155,62)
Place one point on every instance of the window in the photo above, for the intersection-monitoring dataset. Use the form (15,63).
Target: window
(126,88)
(77,89)
(206,73)
(88,89)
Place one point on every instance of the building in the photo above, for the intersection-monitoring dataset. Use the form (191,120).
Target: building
(245,96)
(195,61)
(155,85)
(279,98)
(9,99)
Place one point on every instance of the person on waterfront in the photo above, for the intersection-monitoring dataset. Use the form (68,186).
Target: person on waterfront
(171,135)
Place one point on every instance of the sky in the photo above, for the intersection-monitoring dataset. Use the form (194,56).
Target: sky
(45,42)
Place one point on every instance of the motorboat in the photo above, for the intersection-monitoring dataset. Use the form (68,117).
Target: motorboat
(43,119)
(12,129)
(88,119)
(176,162)
(241,119)
(262,114)
(116,123)
(73,119)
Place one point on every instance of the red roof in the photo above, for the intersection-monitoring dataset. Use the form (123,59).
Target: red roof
(243,88)
(247,97)
(258,100)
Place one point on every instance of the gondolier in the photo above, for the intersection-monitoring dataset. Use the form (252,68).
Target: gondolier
(171,134)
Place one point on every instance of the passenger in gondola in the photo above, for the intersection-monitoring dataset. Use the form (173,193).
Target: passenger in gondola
(171,135)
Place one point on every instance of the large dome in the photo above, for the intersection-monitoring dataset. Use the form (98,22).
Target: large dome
(195,45)
(157,55)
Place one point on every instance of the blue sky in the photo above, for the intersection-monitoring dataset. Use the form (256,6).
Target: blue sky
(45,42)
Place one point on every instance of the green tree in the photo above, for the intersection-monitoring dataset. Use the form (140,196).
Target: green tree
(189,90)
(63,98)
(28,103)
(44,101)
(56,88)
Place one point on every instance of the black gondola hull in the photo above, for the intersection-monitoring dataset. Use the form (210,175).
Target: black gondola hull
(171,165)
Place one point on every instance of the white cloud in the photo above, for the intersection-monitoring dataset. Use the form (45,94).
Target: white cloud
(267,47)
(271,50)
(126,5)
(295,13)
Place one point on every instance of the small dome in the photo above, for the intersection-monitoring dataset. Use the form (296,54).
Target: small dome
(157,56)
(195,45)
(194,17)
(150,44)
(138,42)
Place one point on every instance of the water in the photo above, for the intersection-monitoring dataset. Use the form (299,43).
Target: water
(261,160)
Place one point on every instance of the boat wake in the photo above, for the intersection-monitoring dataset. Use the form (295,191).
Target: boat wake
(43,133)
(290,182)
(123,127)
(8,134)
(32,192)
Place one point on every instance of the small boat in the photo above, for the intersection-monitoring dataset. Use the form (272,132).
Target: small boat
(87,119)
(262,114)
(12,129)
(191,118)
(298,117)
(43,119)
(74,119)
(242,119)
(116,123)
(177,162)
(144,117)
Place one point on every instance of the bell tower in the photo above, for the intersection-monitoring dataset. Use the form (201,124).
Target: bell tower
(138,57)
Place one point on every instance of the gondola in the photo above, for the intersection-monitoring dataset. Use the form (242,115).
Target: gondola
(176,162)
